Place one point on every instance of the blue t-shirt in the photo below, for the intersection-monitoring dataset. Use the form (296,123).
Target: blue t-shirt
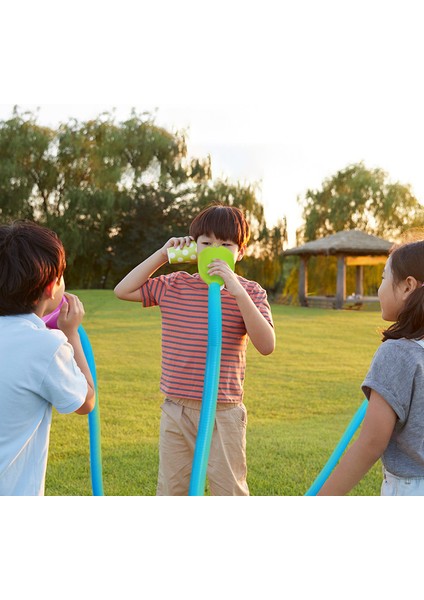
(37,371)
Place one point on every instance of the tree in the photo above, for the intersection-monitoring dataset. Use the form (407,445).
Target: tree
(240,196)
(114,191)
(263,261)
(27,176)
(354,198)
(96,183)
(360,198)
(159,188)
(169,212)
(268,268)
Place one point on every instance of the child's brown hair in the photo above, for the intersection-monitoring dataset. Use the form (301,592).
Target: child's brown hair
(224,222)
(31,257)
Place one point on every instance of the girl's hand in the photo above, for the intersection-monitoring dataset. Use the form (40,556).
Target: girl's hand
(71,315)
(222,269)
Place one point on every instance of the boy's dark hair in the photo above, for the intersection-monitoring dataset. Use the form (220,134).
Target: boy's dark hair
(407,260)
(224,222)
(31,257)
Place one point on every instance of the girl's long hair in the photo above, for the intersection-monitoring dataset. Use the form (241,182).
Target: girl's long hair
(407,260)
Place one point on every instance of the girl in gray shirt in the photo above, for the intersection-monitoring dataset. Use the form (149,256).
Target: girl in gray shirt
(393,428)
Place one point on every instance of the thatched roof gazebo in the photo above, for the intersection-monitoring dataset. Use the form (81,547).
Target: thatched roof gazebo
(351,247)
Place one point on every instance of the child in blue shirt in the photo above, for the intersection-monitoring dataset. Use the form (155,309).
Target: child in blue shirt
(39,367)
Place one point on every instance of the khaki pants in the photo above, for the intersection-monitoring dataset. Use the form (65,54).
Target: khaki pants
(227,459)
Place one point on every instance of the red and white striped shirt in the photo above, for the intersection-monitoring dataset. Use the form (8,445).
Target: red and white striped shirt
(183,300)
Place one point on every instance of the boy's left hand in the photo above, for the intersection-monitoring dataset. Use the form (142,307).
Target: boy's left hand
(71,314)
(222,269)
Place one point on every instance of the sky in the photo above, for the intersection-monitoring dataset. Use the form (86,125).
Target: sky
(279,98)
(277,92)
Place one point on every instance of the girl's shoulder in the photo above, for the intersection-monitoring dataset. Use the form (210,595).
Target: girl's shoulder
(401,349)
(404,343)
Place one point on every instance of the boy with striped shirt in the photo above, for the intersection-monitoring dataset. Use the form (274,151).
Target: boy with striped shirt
(183,300)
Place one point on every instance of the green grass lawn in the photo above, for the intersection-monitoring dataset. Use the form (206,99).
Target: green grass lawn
(299,400)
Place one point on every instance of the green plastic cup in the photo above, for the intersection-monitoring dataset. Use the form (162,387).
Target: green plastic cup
(209,254)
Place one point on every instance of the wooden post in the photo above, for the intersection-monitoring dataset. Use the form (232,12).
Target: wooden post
(359,283)
(341,281)
(303,280)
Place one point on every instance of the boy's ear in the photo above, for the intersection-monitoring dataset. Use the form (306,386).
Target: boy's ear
(48,290)
(241,253)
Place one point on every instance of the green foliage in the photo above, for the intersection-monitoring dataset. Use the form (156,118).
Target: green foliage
(115,191)
(360,198)
(243,197)
(26,174)
(300,399)
(266,266)
(353,198)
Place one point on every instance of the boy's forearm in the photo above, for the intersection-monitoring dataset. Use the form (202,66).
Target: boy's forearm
(259,330)
(139,275)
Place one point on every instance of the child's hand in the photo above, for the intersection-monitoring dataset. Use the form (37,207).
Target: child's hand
(222,269)
(71,315)
(177,242)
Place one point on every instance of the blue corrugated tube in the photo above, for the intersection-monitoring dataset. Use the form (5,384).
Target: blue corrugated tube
(93,417)
(93,421)
(210,393)
(339,449)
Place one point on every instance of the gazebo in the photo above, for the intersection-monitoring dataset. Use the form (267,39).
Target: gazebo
(352,247)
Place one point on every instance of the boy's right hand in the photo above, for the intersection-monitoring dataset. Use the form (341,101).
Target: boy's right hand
(71,315)
(129,287)
(176,242)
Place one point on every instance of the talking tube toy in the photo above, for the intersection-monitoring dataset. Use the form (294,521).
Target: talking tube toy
(94,416)
(339,449)
(213,365)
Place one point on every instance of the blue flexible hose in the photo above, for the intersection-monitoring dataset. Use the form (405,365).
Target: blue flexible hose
(93,421)
(210,393)
(339,449)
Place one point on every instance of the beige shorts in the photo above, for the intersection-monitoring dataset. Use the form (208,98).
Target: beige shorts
(227,469)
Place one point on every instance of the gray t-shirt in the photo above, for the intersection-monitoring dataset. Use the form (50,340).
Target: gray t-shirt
(397,374)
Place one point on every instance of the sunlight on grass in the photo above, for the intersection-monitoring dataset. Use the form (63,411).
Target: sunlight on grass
(299,400)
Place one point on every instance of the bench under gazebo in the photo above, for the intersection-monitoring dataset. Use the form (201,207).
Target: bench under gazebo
(352,248)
